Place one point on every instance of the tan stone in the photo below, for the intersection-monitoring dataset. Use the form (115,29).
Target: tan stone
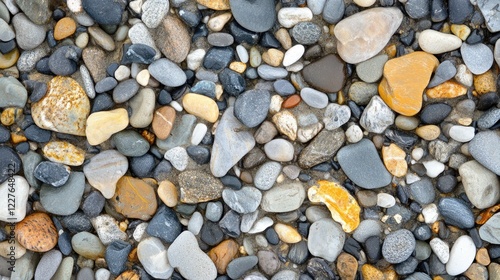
(395,160)
(128,275)
(64,108)
(273,57)
(428,132)
(286,123)
(201,106)
(342,205)
(36,232)
(370,272)
(448,89)
(238,66)
(223,254)
(64,152)
(101,125)
(163,121)
(482,257)
(347,266)
(287,234)
(494,271)
(215,4)
(485,82)
(462,31)
(64,28)
(134,198)
(173,39)
(284,38)
(168,193)
(405,79)
(218,21)
(9,59)
(476,272)
(6,250)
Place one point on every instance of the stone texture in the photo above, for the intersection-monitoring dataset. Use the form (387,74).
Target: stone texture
(102,125)
(395,160)
(37,233)
(197,186)
(326,74)
(173,39)
(134,198)
(324,146)
(104,170)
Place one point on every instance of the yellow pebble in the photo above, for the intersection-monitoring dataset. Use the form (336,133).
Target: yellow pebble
(287,234)
(238,66)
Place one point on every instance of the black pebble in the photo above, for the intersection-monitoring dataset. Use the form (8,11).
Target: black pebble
(10,163)
(142,166)
(102,102)
(373,249)
(242,35)
(200,154)
(36,134)
(230,181)
(230,224)
(165,225)
(217,58)
(271,236)
(211,233)
(446,183)
(164,97)
(4,134)
(116,256)
(77,222)
(232,82)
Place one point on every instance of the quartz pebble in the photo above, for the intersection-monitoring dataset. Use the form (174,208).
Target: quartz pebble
(461,255)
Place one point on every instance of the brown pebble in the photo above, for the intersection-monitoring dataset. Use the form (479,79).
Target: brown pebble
(9,59)
(347,266)
(163,121)
(134,198)
(64,28)
(10,115)
(291,101)
(168,193)
(246,177)
(128,275)
(37,232)
(482,257)
(223,253)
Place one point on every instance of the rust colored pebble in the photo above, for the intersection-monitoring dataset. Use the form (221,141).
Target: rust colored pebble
(37,233)
(64,28)
(163,121)
(291,101)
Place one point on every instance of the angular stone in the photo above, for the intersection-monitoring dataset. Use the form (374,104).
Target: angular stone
(364,34)
(197,186)
(377,116)
(342,205)
(134,198)
(286,123)
(326,74)
(232,142)
(324,146)
(64,152)
(64,108)
(405,79)
(37,232)
(395,160)
(104,170)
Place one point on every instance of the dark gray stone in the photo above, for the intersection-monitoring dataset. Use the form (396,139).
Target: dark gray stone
(252,106)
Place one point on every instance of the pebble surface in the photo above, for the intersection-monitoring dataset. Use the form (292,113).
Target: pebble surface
(263,139)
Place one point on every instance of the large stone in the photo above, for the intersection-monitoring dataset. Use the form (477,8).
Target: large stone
(326,239)
(232,142)
(490,231)
(197,186)
(173,39)
(36,232)
(64,108)
(405,79)
(326,74)
(484,149)
(342,205)
(480,184)
(364,34)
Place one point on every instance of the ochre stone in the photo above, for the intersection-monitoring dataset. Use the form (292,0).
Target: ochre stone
(395,160)
(428,132)
(218,5)
(405,79)
(134,198)
(370,272)
(342,205)
(273,57)
(223,254)
(482,257)
(347,266)
(10,115)
(448,89)
(9,59)
(291,101)
(64,152)
(201,106)
(128,275)
(287,234)
(64,108)
(238,66)
(37,233)
(101,125)
(485,83)
(163,121)
(168,193)
(64,28)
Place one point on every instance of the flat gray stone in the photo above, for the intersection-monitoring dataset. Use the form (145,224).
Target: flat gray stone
(484,148)
(490,231)
(243,201)
(491,14)
(266,175)
(167,72)
(283,198)
(362,164)
(478,57)
(28,34)
(66,199)
(326,239)
(480,184)
(262,17)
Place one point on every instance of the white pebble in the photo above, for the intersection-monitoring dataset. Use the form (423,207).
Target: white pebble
(195,58)
(237,171)
(411,178)
(275,105)
(417,153)
(102,274)
(122,33)
(296,67)
(462,255)
(195,223)
(82,40)
(385,200)
(436,42)
(176,105)
(136,6)
(364,3)
(354,134)
(139,231)
(293,55)
(461,133)
(434,168)
(122,73)
(430,213)
(288,17)
(142,77)
(441,249)
(261,225)
(242,53)
(198,133)
(464,75)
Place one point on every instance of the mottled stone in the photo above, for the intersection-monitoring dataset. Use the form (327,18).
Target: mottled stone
(134,198)
(37,233)
(197,186)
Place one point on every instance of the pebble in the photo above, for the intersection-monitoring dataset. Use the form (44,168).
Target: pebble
(262,17)
(445,71)
(326,239)
(363,166)
(459,10)
(488,119)
(164,225)
(293,55)
(455,212)
(306,33)
(377,116)
(422,191)
(399,88)
(185,255)
(101,38)
(223,254)
(477,57)
(64,28)
(108,230)
(354,134)
(243,201)
(489,230)
(28,34)
(48,264)
(322,148)
(435,113)
(395,160)
(266,175)
(290,16)
(134,198)
(22,189)
(270,73)
(125,90)
(36,232)
(12,93)
(74,103)
(163,121)
(160,67)
(153,12)
(64,152)
(239,266)
(314,98)
(116,256)
(190,181)
(359,40)
(481,147)
(130,143)
(172,37)
(461,255)
(251,107)
(436,42)
(326,74)
(361,92)
(229,148)
(398,246)
(65,199)
(441,249)
(480,184)
(114,121)
(179,136)
(54,174)
(343,207)
(283,198)
(371,70)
